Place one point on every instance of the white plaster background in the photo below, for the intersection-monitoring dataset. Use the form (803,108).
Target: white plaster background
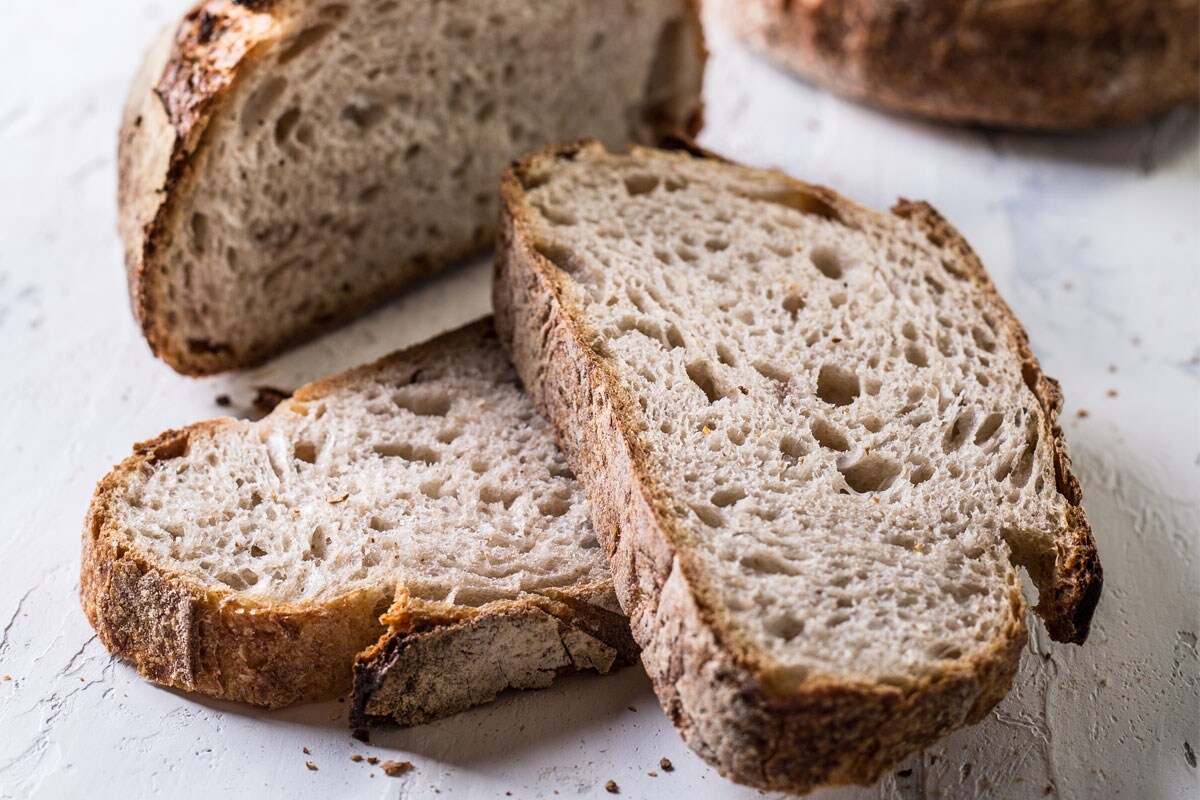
(1094,240)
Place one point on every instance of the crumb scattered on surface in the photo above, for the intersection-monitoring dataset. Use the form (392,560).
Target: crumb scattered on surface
(338,498)
(372,760)
(267,397)
(394,768)
(311,765)
(223,400)
(356,758)
(652,774)
(307,752)
(665,764)
(1111,393)
(1112,367)
(1082,413)
(612,788)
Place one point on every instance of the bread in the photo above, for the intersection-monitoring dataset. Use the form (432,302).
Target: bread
(1047,64)
(284,165)
(814,440)
(252,560)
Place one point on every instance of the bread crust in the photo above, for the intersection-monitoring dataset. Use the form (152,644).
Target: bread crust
(1039,64)
(753,724)
(208,638)
(183,85)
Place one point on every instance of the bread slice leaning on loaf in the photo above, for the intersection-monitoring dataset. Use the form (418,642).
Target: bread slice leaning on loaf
(284,165)
(814,441)
(252,560)
(1038,64)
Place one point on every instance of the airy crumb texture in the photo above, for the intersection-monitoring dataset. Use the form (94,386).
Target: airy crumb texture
(337,151)
(814,440)
(253,560)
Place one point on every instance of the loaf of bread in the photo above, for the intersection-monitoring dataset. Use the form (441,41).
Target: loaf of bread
(1043,64)
(816,445)
(284,165)
(253,560)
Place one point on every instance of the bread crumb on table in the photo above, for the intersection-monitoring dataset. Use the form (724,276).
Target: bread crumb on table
(372,760)
(311,765)
(395,768)
(665,764)
(307,752)
(612,788)
(356,758)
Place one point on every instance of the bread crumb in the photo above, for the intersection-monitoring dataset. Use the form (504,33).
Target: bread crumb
(8,677)
(612,788)
(356,758)
(395,768)
(310,765)
(1112,367)
(1111,393)
(665,764)
(372,760)
(652,774)
(706,430)
(1082,413)
(307,752)
(335,499)
(223,400)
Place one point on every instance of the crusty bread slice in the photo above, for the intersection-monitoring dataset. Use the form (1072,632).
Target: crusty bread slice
(813,438)
(252,560)
(285,164)
(1041,64)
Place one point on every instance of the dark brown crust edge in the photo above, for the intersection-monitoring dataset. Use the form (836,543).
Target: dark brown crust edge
(182,85)
(1046,64)
(206,638)
(823,732)
(388,664)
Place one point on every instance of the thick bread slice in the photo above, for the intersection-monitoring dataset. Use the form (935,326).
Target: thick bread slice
(252,561)
(812,437)
(1050,64)
(284,164)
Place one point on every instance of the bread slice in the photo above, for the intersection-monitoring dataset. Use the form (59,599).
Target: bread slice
(285,164)
(814,440)
(252,560)
(1048,64)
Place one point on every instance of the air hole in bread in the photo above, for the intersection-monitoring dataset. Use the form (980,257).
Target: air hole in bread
(640,184)
(432,488)
(945,651)
(555,506)
(259,103)
(792,448)
(837,299)
(715,245)
(916,355)
(709,515)
(828,261)
(871,473)
(725,355)
(828,436)
(959,430)
(558,255)
(200,231)
(798,200)
(458,28)
(724,498)
(285,124)
(793,303)
(365,117)
(872,423)
(871,386)
(837,385)
(674,337)
(305,451)
(422,402)
(766,562)
(991,423)
(701,374)
(920,474)
(785,627)
(302,41)
(408,452)
(982,340)
(772,372)
(490,493)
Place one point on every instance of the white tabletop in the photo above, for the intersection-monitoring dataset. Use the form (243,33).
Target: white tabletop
(1094,240)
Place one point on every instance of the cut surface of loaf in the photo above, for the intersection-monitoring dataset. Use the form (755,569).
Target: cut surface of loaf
(1043,64)
(253,560)
(814,440)
(285,164)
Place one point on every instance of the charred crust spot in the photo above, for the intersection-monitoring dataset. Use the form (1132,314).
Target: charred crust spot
(206,26)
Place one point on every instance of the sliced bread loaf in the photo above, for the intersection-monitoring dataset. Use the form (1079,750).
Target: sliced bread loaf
(814,440)
(1043,64)
(285,164)
(252,560)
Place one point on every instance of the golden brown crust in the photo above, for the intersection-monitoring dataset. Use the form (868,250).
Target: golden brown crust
(208,638)
(1048,64)
(183,85)
(754,725)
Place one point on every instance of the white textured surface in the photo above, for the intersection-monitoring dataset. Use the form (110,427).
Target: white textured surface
(1094,240)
